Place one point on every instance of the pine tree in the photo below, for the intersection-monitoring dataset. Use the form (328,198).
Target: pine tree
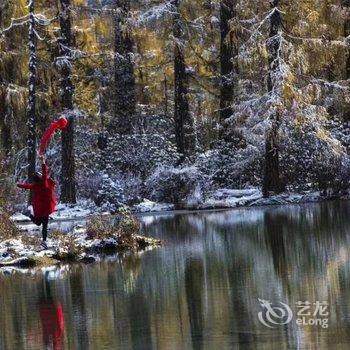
(5,129)
(31,107)
(271,181)
(184,125)
(346,4)
(228,63)
(124,80)
(68,188)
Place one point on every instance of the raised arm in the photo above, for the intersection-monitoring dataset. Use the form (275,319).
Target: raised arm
(44,170)
(26,186)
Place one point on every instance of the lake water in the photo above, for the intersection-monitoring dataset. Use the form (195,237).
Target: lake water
(201,290)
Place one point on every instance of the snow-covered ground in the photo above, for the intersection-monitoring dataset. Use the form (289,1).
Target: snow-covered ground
(231,198)
(81,210)
(227,198)
(147,206)
(28,245)
(73,246)
(219,199)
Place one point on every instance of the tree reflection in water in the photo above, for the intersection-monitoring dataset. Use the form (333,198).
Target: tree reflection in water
(199,291)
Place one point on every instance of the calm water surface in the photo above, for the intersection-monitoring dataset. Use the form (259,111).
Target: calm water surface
(200,291)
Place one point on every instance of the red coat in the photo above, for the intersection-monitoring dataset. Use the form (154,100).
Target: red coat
(44,197)
(52,321)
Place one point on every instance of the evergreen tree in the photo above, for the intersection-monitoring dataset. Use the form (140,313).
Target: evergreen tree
(346,4)
(184,125)
(124,80)
(272,181)
(228,57)
(5,136)
(68,190)
(31,107)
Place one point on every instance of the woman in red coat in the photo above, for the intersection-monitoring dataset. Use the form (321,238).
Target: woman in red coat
(43,198)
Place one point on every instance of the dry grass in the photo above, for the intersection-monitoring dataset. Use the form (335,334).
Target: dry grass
(67,245)
(8,229)
(127,227)
(8,192)
(99,227)
(123,227)
(30,240)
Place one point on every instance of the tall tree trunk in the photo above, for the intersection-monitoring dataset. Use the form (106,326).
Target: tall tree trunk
(272,182)
(124,79)
(68,186)
(184,125)
(346,4)
(31,115)
(5,110)
(5,120)
(228,63)
(166,98)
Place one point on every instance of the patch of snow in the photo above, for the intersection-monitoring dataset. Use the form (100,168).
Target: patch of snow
(288,198)
(82,209)
(195,198)
(226,193)
(19,217)
(70,211)
(147,206)
(228,198)
(231,198)
(49,253)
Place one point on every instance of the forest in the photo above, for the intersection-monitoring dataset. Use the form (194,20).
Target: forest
(171,100)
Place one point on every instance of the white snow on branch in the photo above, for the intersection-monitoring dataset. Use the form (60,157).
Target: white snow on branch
(330,84)
(156,13)
(16,22)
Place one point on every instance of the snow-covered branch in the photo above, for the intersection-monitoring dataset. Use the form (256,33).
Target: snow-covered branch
(156,13)
(15,22)
(21,21)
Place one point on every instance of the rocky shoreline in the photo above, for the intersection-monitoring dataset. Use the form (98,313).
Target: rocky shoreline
(85,244)
(16,253)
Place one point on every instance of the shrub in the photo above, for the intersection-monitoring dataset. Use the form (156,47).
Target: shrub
(127,224)
(175,185)
(109,193)
(309,162)
(230,166)
(99,227)
(140,154)
(68,249)
(123,226)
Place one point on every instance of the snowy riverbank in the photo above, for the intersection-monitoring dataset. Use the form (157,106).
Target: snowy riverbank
(72,242)
(20,243)
(231,198)
(25,251)
(218,199)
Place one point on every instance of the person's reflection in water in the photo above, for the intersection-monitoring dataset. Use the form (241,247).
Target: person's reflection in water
(194,282)
(52,319)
